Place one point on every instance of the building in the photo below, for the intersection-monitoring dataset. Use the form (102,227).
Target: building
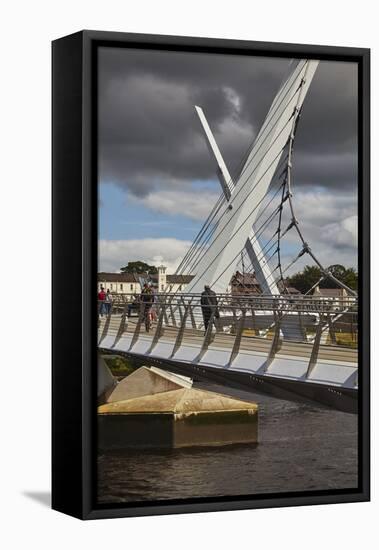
(337,297)
(244,283)
(119,283)
(132,283)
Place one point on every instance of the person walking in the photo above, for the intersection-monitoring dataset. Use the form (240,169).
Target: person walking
(108,302)
(101,300)
(147,300)
(208,303)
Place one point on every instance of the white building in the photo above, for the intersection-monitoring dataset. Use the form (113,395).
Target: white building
(132,283)
(337,297)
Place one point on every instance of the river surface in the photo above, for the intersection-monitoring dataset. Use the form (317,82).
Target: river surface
(301,447)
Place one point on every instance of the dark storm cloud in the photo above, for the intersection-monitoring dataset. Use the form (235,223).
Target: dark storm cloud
(150,135)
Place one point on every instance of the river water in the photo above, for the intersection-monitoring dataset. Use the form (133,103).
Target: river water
(301,447)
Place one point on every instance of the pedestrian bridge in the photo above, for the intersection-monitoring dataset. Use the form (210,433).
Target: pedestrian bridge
(301,346)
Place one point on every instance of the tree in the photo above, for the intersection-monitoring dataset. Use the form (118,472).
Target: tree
(139,267)
(304,280)
(348,276)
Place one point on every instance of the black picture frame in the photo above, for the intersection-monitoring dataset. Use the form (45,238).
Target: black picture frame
(74,206)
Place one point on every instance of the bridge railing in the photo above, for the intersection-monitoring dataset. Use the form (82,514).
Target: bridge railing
(310,326)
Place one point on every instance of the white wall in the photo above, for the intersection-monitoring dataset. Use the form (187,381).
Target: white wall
(26,31)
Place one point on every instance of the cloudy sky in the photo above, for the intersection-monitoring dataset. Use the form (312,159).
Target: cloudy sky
(157,182)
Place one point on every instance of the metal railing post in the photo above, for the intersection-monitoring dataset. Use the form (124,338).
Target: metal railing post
(179,337)
(159,330)
(332,332)
(193,320)
(121,328)
(106,325)
(208,335)
(172,315)
(275,344)
(238,337)
(316,347)
(137,330)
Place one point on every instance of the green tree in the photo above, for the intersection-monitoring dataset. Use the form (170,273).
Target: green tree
(304,280)
(139,267)
(348,276)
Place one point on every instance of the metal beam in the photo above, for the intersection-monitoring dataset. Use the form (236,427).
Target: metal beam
(238,216)
(253,248)
(222,171)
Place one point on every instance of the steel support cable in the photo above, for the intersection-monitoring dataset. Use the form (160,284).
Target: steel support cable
(239,171)
(239,252)
(239,188)
(196,259)
(266,124)
(199,236)
(253,188)
(265,250)
(192,262)
(261,133)
(288,180)
(207,222)
(259,162)
(236,211)
(299,87)
(280,229)
(257,234)
(261,214)
(295,223)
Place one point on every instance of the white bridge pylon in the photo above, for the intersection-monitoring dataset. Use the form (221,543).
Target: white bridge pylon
(252,246)
(240,211)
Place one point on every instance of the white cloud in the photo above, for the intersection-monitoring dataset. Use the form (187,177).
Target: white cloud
(114,254)
(191,204)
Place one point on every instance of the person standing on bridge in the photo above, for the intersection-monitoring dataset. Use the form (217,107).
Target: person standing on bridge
(208,303)
(101,299)
(108,302)
(147,300)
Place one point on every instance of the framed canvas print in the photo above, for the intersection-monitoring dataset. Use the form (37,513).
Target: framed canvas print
(210,274)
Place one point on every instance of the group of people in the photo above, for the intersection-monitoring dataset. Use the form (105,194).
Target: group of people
(146,299)
(105,301)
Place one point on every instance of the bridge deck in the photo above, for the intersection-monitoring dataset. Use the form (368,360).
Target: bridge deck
(334,365)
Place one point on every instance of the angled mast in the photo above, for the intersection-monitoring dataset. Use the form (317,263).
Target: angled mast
(216,266)
(252,246)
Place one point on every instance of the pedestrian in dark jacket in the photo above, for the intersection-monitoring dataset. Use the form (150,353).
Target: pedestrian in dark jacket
(147,300)
(209,305)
